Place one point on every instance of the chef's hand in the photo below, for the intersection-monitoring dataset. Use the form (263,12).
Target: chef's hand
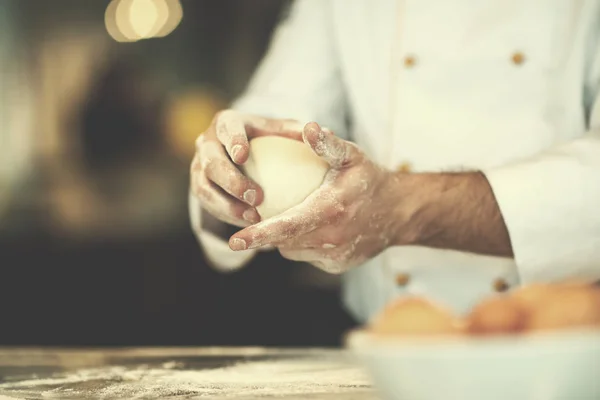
(222,189)
(343,223)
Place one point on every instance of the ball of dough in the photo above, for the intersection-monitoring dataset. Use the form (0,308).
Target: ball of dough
(496,316)
(414,316)
(287,170)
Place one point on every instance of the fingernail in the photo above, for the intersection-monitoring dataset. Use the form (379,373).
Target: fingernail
(237,244)
(250,196)
(314,127)
(250,215)
(235,150)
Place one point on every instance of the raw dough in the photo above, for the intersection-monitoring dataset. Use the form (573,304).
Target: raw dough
(287,170)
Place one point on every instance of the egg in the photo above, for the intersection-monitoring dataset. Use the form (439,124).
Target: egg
(496,316)
(415,316)
(576,306)
(534,296)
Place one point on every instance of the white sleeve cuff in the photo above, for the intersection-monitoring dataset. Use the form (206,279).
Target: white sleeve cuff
(219,254)
(216,250)
(550,206)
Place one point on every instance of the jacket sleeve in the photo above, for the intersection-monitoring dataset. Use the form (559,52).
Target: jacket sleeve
(298,78)
(551,202)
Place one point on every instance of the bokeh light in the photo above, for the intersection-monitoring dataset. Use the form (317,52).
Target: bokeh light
(190,113)
(133,20)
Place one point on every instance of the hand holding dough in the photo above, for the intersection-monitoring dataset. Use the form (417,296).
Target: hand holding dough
(216,183)
(287,170)
(347,220)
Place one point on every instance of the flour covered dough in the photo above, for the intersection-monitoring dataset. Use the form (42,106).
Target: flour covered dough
(287,170)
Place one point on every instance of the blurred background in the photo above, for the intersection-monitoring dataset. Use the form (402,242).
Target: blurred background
(100,105)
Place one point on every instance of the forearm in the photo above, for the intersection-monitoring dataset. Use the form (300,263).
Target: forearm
(455,211)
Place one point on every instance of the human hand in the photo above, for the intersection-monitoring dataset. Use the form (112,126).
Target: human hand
(352,217)
(224,191)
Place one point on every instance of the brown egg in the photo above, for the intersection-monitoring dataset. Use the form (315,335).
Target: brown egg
(496,316)
(573,306)
(534,296)
(415,316)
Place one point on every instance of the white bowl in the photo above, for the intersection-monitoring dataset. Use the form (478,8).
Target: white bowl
(549,366)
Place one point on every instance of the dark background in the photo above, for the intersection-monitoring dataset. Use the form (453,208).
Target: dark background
(95,243)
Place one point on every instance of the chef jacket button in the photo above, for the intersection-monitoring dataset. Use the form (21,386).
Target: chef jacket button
(404,167)
(500,285)
(518,58)
(409,61)
(402,279)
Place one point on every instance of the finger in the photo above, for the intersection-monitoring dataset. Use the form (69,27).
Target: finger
(221,205)
(335,151)
(212,161)
(231,132)
(311,241)
(225,175)
(299,220)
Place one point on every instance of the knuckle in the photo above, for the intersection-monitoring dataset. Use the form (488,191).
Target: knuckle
(226,113)
(208,167)
(207,148)
(335,211)
(353,150)
(225,116)
(340,209)
(211,148)
(200,140)
(220,115)
(290,229)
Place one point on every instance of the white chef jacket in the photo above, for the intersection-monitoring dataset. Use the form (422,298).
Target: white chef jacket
(508,87)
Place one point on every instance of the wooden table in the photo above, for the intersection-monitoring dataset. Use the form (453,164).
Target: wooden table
(181,373)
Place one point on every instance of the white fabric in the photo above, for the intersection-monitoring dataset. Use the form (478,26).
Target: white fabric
(465,102)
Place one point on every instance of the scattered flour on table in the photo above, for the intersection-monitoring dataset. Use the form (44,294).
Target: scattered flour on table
(260,379)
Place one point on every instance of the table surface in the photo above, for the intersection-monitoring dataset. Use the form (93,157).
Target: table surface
(181,373)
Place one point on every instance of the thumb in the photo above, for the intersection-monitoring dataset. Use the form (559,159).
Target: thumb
(335,151)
